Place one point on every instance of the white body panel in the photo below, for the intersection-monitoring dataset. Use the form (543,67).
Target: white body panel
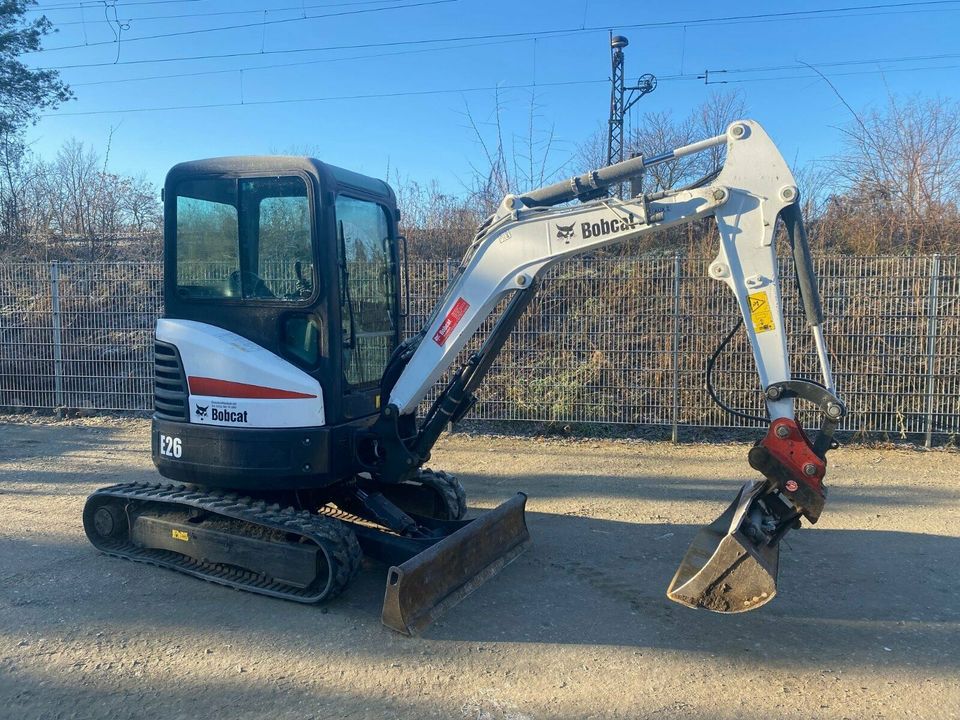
(230,373)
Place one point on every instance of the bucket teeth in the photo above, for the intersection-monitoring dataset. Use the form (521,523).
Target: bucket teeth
(724,570)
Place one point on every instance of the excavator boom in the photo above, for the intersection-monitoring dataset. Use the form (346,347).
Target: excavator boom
(732,564)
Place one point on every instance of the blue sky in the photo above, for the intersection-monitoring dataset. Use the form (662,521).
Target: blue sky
(405,125)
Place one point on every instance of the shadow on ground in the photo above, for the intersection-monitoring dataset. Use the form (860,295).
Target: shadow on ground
(846,597)
(720,491)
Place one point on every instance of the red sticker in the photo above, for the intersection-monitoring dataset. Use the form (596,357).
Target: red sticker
(792,486)
(450,322)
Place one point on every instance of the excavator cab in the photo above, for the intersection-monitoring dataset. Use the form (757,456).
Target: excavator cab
(300,259)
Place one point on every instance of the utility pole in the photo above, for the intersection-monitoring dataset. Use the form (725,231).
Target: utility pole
(620,100)
(615,133)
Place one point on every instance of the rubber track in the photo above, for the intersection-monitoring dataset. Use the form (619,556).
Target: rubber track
(454,496)
(334,536)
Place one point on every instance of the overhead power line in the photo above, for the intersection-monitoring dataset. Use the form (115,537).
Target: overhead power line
(262,23)
(326,48)
(683,76)
(459,90)
(727,72)
(840,63)
(363,96)
(757,17)
(813,75)
(99,5)
(215,13)
(300,63)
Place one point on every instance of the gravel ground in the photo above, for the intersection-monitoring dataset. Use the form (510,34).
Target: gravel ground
(865,626)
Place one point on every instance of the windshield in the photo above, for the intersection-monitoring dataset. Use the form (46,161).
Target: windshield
(368,293)
(244,238)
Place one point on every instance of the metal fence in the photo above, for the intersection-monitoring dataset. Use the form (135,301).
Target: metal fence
(607,341)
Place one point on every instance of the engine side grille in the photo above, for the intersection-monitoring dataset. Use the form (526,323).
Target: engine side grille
(169,383)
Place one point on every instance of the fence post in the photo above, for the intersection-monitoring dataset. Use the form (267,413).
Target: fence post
(675,350)
(57,336)
(932,344)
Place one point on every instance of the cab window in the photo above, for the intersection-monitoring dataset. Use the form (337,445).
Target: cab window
(367,288)
(247,238)
(208,252)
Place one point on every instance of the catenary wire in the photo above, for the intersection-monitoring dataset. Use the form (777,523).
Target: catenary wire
(533,33)
(99,5)
(258,24)
(726,72)
(248,68)
(439,91)
(217,13)
(329,98)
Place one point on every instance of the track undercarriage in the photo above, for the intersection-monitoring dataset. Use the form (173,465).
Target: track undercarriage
(308,546)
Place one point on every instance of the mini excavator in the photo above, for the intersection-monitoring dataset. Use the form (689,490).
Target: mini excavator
(286,419)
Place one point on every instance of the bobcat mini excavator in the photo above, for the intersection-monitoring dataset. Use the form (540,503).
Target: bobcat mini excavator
(286,398)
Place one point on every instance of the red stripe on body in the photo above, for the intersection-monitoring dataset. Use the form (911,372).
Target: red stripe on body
(229,389)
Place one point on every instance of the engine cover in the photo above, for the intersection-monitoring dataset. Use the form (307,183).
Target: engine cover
(236,383)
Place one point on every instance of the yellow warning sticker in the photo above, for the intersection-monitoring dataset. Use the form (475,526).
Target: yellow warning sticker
(760,312)
(180,535)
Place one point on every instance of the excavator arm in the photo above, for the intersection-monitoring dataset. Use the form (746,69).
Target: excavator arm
(732,564)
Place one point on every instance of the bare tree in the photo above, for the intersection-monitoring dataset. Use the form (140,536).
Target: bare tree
(899,176)
(816,181)
(660,131)
(511,164)
(75,202)
(439,225)
(15,187)
(71,187)
(591,153)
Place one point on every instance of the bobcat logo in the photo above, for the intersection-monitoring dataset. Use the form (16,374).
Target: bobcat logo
(202,411)
(565,232)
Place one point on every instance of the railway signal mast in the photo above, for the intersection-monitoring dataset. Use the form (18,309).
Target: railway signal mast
(622,98)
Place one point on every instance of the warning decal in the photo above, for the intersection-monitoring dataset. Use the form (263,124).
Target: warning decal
(760,312)
(450,322)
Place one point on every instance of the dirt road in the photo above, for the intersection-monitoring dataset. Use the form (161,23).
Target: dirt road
(866,624)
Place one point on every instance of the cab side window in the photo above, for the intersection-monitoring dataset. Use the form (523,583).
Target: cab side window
(367,288)
(207,231)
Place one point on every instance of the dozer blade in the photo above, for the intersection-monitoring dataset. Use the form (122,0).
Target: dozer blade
(724,570)
(430,583)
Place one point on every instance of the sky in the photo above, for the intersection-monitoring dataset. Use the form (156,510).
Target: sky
(389,86)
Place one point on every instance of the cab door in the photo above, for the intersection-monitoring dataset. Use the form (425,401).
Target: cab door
(368,285)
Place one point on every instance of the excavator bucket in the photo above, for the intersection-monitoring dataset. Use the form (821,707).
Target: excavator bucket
(424,587)
(724,570)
